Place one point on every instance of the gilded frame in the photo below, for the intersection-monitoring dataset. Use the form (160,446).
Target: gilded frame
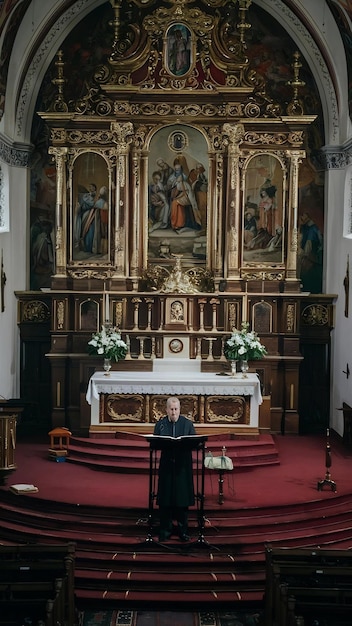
(90,209)
(176,313)
(264,211)
(179,50)
(178,167)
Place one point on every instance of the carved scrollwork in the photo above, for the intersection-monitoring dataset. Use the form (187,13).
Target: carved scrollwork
(87,137)
(35,311)
(122,134)
(104,107)
(102,74)
(58,135)
(89,272)
(251,109)
(315,315)
(233,410)
(125,408)
(263,275)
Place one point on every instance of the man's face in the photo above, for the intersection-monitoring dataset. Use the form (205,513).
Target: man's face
(173,411)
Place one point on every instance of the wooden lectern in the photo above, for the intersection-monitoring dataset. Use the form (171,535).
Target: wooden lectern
(178,445)
(9,411)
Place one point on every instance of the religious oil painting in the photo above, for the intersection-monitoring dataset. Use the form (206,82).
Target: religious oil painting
(90,208)
(178,194)
(263,213)
(310,228)
(178,49)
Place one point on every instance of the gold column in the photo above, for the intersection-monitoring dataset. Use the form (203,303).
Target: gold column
(122,136)
(292,251)
(60,155)
(235,133)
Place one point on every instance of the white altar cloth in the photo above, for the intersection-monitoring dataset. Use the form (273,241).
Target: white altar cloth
(172,383)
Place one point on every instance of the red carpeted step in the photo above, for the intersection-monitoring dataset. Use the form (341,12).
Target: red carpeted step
(110,526)
(150,578)
(131,453)
(184,598)
(211,559)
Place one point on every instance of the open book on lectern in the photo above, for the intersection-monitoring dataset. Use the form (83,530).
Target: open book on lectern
(164,440)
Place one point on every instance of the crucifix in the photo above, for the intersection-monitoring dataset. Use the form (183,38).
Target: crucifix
(2,285)
(346,284)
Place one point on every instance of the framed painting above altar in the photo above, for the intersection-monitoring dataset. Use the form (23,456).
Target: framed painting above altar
(264,210)
(90,208)
(178,194)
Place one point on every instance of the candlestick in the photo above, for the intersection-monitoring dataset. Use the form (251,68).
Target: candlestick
(107,308)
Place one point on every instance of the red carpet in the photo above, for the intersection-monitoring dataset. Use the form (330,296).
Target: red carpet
(293,480)
(105,513)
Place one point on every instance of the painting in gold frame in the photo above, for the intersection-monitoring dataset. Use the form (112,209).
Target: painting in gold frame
(178,194)
(178,50)
(91,209)
(264,211)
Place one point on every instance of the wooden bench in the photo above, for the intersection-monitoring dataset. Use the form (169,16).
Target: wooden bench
(37,583)
(307,583)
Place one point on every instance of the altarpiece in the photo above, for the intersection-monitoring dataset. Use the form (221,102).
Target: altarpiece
(176,202)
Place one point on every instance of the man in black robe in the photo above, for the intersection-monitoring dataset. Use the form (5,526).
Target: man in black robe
(175,484)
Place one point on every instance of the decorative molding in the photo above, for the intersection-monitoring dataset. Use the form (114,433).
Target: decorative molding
(49,43)
(35,311)
(315,315)
(333,158)
(14,155)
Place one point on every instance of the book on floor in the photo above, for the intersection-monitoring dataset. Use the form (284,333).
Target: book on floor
(24,488)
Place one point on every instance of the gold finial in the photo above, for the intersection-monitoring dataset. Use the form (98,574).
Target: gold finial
(295,107)
(59,105)
(116,5)
(243,25)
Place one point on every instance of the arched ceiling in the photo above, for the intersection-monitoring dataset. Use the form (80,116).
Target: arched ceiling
(15,13)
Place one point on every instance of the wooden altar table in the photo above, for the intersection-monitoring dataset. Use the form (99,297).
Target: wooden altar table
(133,401)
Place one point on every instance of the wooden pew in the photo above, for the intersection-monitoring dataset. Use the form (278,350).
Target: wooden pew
(307,583)
(37,582)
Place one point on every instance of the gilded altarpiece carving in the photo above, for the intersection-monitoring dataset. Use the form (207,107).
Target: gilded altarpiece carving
(174,160)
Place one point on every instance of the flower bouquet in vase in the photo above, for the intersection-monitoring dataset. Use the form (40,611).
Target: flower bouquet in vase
(244,345)
(108,344)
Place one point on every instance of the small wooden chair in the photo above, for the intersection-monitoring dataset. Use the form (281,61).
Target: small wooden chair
(60,438)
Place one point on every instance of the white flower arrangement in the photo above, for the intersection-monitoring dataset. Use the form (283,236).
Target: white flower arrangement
(244,345)
(108,344)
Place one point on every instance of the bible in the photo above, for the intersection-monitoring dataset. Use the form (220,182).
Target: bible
(161,442)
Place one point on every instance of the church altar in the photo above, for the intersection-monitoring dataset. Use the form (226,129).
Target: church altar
(137,399)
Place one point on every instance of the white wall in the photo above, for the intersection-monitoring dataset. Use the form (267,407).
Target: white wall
(14,246)
(339,247)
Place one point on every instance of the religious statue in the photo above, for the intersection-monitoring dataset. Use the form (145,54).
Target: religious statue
(178,282)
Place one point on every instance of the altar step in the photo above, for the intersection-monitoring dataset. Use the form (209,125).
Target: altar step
(130,453)
(115,563)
